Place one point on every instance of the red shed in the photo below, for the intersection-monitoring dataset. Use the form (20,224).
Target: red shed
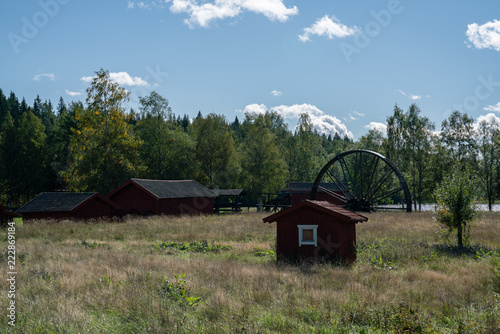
(148,197)
(316,230)
(60,205)
(300,191)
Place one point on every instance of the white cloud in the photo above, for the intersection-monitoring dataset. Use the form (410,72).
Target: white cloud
(486,36)
(276,93)
(203,15)
(489,118)
(255,109)
(40,76)
(87,79)
(377,126)
(130,5)
(121,78)
(329,27)
(411,96)
(323,123)
(70,93)
(493,108)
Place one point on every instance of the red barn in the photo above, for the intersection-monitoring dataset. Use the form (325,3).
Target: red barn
(316,230)
(300,191)
(59,205)
(148,197)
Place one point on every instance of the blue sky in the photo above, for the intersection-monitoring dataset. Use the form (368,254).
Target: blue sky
(346,63)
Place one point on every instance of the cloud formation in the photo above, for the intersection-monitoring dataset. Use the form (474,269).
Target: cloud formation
(493,108)
(377,126)
(329,27)
(204,14)
(70,93)
(121,78)
(489,118)
(411,96)
(40,76)
(323,123)
(276,92)
(486,36)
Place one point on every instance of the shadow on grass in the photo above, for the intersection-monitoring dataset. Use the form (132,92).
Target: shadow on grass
(472,251)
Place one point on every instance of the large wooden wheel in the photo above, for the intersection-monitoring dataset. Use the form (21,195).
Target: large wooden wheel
(362,180)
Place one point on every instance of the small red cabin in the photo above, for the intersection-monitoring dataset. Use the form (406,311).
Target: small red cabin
(156,197)
(59,205)
(316,230)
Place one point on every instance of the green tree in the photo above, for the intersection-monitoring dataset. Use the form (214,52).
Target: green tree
(32,155)
(263,167)
(167,151)
(373,141)
(305,152)
(215,150)
(408,144)
(458,136)
(455,207)
(488,139)
(104,152)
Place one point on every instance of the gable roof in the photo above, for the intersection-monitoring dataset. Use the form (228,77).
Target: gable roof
(306,187)
(322,206)
(61,202)
(162,189)
(228,192)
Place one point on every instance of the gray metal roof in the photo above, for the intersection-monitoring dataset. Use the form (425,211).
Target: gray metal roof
(55,202)
(302,187)
(228,192)
(175,188)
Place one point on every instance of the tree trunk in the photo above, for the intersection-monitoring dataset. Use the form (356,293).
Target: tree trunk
(460,235)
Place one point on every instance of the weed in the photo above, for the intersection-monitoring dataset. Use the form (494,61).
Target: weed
(93,245)
(257,251)
(43,274)
(193,246)
(178,291)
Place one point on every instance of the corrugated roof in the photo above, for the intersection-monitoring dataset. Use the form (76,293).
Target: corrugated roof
(55,202)
(302,187)
(175,188)
(228,192)
(324,206)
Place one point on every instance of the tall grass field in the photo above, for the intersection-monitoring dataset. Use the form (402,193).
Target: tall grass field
(218,274)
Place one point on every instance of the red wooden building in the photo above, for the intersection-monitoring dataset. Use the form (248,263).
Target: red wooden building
(6,216)
(59,205)
(316,230)
(300,191)
(148,197)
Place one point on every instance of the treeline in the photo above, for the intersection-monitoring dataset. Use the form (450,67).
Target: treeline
(97,146)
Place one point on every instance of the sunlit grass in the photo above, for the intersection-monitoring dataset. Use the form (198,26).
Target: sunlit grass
(107,277)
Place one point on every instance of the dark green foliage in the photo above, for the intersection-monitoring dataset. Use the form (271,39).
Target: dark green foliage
(455,203)
(193,246)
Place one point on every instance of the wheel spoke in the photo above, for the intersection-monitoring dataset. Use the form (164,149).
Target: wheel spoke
(343,164)
(339,184)
(341,198)
(385,195)
(379,184)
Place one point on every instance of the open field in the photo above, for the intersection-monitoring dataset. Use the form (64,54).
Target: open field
(102,277)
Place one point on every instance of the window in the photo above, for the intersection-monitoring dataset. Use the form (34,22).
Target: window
(308,235)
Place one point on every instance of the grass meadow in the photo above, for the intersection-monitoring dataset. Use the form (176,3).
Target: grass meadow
(218,274)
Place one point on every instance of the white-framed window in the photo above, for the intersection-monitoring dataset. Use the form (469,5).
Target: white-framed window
(308,235)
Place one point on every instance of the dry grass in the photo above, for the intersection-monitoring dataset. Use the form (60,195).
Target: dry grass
(405,280)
